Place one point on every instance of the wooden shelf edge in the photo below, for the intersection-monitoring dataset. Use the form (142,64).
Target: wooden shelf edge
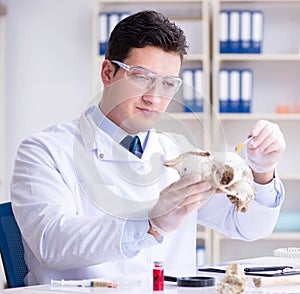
(257,116)
(257,57)
(273,236)
(289,176)
(185,115)
(101,2)
(262,1)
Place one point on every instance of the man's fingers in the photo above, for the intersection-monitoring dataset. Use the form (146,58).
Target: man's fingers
(183,182)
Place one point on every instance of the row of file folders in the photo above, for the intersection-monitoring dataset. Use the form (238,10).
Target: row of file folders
(235,90)
(107,22)
(192,89)
(241,31)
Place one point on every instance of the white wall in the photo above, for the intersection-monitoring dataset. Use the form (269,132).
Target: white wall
(48,68)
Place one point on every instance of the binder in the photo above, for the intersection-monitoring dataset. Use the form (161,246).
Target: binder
(224,32)
(103,32)
(199,90)
(113,20)
(234,31)
(187,90)
(223,91)
(257,32)
(107,21)
(245,17)
(234,91)
(246,90)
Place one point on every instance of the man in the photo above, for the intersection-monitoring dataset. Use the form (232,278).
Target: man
(89,208)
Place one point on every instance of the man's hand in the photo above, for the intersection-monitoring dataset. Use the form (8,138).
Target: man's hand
(264,150)
(177,201)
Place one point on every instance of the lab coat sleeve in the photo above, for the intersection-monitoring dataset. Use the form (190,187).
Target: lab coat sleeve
(259,220)
(47,211)
(136,237)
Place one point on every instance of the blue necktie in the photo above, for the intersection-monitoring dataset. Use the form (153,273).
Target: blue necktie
(133,144)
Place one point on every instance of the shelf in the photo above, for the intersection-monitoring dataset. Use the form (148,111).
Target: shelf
(185,115)
(290,176)
(258,116)
(271,87)
(195,57)
(258,1)
(273,236)
(258,57)
(121,2)
(284,236)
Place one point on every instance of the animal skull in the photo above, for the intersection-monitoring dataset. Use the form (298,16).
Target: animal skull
(227,172)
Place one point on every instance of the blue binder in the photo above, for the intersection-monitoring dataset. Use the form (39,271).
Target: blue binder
(234,90)
(256,32)
(245,17)
(241,31)
(192,90)
(223,91)
(246,81)
(188,89)
(199,90)
(224,32)
(107,22)
(234,31)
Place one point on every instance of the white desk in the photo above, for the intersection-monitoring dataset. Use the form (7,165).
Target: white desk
(172,288)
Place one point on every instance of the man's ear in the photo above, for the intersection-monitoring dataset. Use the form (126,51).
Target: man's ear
(107,72)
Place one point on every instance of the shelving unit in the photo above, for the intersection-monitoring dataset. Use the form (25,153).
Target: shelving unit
(2,23)
(194,17)
(276,73)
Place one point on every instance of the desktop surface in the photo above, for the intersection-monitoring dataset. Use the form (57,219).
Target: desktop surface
(172,288)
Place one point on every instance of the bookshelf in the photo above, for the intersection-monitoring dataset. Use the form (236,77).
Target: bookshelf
(274,83)
(194,17)
(276,72)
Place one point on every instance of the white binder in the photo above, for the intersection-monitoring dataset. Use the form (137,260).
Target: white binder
(234,31)
(245,31)
(187,89)
(257,31)
(246,90)
(103,32)
(224,35)
(234,90)
(113,20)
(224,90)
(199,90)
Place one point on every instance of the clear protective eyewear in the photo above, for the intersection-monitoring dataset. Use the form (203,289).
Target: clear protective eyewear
(145,79)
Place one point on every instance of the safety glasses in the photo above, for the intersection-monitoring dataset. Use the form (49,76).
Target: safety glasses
(145,79)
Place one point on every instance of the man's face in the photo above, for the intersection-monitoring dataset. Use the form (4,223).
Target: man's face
(132,108)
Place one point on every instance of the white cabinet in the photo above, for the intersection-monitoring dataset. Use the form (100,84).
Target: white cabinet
(276,97)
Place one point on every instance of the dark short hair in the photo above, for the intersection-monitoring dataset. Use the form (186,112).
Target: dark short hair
(145,28)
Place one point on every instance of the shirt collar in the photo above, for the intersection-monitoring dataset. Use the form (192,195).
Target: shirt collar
(114,131)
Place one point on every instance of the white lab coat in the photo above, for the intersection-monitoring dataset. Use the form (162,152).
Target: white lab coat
(72,191)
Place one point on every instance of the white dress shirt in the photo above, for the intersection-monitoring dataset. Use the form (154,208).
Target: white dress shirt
(81,202)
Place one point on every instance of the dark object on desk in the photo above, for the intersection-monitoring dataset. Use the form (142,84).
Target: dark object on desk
(275,271)
(282,273)
(211,270)
(197,281)
(266,268)
(11,248)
